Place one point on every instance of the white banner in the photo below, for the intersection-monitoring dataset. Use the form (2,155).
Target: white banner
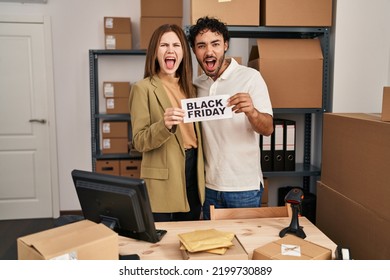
(199,270)
(206,108)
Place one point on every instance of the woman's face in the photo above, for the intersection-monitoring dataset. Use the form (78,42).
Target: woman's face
(170,53)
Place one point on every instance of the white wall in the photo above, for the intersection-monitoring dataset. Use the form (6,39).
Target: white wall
(77,27)
(361,55)
(361,65)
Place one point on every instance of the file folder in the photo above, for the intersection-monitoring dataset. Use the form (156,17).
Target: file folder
(266,153)
(278,145)
(289,145)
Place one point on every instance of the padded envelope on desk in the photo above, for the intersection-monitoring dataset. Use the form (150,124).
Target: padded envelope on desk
(203,240)
(235,252)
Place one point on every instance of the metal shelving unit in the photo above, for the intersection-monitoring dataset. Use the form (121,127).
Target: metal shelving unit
(96,116)
(305,169)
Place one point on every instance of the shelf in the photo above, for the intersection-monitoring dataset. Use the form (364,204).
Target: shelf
(276,32)
(113,117)
(301,170)
(118,52)
(305,169)
(96,116)
(296,110)
(132,155)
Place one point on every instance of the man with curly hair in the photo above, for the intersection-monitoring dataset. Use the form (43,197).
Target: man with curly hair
(231,146)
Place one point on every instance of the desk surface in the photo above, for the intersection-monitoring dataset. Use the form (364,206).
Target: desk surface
(252,234)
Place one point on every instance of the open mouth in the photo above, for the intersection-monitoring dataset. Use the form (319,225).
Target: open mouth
(170,63)
(210,63)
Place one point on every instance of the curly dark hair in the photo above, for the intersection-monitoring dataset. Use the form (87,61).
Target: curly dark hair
(204,24)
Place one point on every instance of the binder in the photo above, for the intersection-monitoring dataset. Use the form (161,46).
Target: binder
(277,141)
(266,153)
(289,145)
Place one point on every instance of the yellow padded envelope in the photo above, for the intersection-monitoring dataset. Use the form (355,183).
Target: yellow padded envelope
(205,240)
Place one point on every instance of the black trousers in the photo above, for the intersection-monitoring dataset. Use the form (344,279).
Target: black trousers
(192,193)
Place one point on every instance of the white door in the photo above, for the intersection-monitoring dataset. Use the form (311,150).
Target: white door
(28,175)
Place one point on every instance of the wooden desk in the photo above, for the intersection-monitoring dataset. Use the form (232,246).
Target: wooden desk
(252,233)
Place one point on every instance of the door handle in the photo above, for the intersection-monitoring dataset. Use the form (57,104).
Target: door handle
(42,121)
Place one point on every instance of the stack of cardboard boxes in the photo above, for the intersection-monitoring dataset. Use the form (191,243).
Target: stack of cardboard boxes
(117,97)
(265,12)
(117,33)
(115,134)
(115,137)
(155,13)
(353,195)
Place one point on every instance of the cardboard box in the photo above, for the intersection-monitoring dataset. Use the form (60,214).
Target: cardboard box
(115,145)
(130,168)
(296,13)
(350,224)
(118,42)
(116,89)
(385,116)
(83,240)
(108,167)
(117,25)
(292,69)
(150,24)
(233,12)
(117,105)
(158,8)
(118,129)
(356,159)
(291,247)
(236,252)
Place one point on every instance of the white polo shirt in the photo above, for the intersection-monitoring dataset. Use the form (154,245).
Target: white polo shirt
(231,147)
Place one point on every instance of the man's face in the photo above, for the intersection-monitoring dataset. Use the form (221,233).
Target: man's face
(209,49)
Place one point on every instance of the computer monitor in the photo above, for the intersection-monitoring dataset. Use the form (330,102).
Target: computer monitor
(121,203)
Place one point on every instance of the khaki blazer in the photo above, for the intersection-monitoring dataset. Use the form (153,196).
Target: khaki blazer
(163,154)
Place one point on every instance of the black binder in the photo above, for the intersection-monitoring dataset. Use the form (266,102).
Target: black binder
(289,145)
(277,141)
(266,153)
